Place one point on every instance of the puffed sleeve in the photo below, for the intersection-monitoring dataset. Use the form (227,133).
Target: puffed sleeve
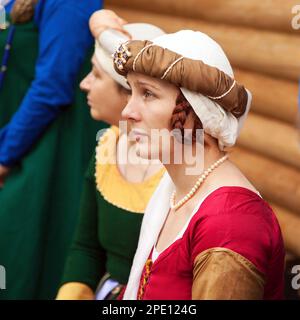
(64,39)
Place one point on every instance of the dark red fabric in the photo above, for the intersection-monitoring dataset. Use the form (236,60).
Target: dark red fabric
(231,217)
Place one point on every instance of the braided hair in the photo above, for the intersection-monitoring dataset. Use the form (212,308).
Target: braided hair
(180,114)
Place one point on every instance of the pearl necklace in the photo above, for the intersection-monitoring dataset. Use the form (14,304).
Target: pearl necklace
(196,185)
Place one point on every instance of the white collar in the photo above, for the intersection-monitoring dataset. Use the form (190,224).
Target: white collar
(154,217)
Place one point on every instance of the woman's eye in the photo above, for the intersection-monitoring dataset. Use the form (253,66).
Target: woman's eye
(148,94)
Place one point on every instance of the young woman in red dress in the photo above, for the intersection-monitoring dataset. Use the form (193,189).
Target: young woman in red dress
(206,234)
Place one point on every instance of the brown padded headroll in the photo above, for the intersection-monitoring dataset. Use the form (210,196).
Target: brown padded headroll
(149,59)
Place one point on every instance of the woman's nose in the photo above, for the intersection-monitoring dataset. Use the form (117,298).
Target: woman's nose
(85,84)
(130,112)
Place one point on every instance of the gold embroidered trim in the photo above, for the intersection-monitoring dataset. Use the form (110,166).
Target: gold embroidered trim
(145,280)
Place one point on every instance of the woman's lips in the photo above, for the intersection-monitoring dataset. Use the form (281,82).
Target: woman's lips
(88,101)
(138,134)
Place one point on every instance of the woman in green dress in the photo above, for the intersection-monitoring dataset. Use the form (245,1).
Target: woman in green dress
(115,193)
(46,139)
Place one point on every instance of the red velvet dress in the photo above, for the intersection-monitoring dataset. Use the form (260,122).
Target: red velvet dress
(230,217)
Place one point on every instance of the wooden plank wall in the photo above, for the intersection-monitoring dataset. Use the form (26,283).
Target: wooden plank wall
(264,51)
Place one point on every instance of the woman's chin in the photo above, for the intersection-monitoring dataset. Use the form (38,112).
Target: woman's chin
(143,151)
(95,114)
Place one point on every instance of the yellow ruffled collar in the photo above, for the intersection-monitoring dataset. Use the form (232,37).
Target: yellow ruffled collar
(123,194)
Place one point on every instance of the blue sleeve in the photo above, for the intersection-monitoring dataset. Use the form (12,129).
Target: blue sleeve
(64,39)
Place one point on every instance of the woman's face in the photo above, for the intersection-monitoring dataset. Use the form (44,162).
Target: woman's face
(104,97)
(150,107)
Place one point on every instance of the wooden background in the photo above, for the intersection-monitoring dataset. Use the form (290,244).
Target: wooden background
(264,51)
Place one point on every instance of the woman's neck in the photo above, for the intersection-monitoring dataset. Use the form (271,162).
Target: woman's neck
(181,176)
(134,168)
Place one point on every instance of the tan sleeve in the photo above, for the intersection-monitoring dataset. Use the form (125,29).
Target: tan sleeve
(222,274)
(75,291)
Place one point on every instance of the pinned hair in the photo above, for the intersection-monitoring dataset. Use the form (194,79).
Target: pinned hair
(180,113)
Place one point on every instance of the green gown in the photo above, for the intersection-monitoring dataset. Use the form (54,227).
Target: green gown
(40,199)
(111,213)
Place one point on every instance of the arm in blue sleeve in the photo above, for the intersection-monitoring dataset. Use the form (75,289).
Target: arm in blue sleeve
(64,39)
